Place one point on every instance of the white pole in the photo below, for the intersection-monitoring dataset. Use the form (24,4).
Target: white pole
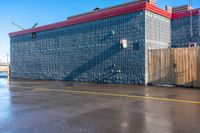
(7,59)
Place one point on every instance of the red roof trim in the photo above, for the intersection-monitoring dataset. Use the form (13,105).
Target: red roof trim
(158,10)
(132,7)
(86,18)
(183,14)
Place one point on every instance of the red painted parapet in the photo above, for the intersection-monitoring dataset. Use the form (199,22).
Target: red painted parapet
(124,9)
(86,18)
(157,10)
(107,13)
(186,13)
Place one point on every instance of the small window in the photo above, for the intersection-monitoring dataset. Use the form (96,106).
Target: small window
(34,35)
(135,46)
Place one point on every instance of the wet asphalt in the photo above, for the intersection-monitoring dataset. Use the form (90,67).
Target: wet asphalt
(67,107)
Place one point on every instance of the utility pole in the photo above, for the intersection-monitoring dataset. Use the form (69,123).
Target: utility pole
(198,40)
(191,19)
(199,22)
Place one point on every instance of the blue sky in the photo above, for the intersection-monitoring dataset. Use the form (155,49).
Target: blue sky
(28,12)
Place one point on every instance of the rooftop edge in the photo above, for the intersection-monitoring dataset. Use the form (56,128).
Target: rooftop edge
(106,13)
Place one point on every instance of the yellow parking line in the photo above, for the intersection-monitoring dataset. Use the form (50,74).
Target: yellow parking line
(119,95)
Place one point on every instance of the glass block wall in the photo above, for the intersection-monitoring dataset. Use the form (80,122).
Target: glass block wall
(88,52)
(181,31)
(157,34)
(157,31)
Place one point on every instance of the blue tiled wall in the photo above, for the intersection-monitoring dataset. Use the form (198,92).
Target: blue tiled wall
(181,31)
(88,52)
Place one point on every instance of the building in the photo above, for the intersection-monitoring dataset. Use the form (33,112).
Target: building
(106,45)
(185,27)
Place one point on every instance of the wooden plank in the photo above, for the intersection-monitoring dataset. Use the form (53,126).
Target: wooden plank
(187,79)
(185,66)
(189,66)
(160,66)
(156,66)
(197,84)
(175,67)
(150,65)
(181,74)
(172,64)
(184,81)
(195,66)
(166,66)
(176,62)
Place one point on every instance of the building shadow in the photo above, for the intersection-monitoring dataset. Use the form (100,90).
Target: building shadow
(105,55)
(176,79)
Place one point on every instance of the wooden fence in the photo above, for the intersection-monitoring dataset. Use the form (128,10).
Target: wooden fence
(180,66)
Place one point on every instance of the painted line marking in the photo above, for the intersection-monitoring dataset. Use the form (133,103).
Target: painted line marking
(111,94)
(118,95)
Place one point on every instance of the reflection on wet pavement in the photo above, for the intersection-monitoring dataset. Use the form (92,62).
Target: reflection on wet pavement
(26,108)
(5,106)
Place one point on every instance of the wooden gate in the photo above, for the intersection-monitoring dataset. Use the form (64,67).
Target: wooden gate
(175,66)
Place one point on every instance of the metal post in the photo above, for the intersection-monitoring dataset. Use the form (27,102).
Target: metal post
(199,22)
(191,19)
(198,34)
(191,27)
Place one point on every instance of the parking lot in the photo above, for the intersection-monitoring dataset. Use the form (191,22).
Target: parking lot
(68,107)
